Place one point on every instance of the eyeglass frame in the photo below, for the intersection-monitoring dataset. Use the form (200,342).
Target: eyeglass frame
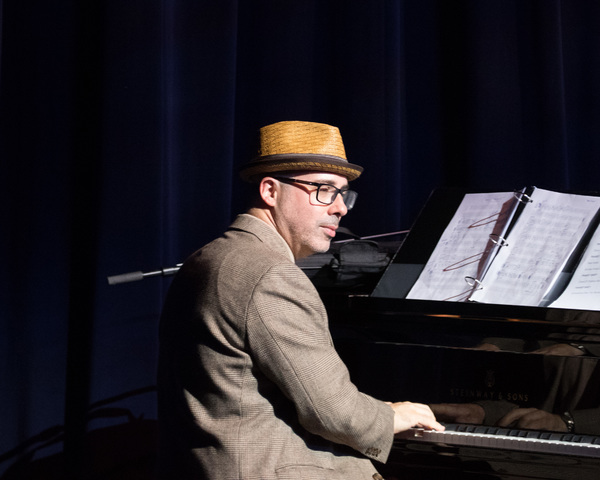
(348,196)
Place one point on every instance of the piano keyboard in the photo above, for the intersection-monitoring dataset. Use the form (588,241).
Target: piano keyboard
(509,439)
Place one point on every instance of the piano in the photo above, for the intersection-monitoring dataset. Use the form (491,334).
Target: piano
(429,352)
(476,364)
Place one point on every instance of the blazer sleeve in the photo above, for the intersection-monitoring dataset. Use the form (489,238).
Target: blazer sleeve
(288,335)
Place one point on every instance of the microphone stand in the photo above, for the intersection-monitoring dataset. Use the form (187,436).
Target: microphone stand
(135,276)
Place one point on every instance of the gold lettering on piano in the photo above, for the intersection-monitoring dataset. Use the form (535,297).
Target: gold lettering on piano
(473,394)
(517,397)
(486,391)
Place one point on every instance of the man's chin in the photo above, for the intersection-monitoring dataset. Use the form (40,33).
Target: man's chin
(324,247)
(321,248)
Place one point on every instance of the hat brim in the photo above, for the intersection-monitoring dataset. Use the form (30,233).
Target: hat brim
(263,166)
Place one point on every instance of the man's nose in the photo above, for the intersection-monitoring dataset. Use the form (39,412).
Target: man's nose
(339,206)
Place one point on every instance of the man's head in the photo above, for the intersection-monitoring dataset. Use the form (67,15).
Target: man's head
(303,177)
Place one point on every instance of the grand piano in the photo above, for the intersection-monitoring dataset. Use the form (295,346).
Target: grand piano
(478,366)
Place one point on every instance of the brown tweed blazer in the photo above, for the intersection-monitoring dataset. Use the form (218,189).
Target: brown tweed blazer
(250,385)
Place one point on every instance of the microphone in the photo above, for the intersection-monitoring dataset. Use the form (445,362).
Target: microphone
(136,276)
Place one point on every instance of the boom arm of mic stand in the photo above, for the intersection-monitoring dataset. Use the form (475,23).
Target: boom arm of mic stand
(135,276)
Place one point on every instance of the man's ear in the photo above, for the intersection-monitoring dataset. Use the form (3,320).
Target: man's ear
(269,190)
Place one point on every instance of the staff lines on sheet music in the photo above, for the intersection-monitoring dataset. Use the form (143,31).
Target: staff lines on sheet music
(558,224)
(583,290)
(545,230)
(463,247)
(491,219)
(464,262)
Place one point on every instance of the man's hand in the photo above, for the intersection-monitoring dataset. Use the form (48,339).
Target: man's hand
(562,349)
(407,415)
(534,419)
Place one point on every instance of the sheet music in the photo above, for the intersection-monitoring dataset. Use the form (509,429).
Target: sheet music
(583,291)
(545,234)
(465,247)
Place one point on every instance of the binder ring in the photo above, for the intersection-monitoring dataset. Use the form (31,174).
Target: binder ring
(498,240)
(473,282)
(522,197)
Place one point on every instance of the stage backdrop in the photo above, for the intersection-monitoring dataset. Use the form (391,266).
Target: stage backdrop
(123,124)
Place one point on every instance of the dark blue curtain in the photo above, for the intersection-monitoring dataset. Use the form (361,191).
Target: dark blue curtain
(122,125)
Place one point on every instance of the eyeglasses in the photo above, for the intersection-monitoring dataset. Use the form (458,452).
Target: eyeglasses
(326,193)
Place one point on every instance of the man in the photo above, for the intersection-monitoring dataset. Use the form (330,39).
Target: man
(250,385)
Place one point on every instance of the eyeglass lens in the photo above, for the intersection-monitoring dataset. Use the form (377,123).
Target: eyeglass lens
(327,194)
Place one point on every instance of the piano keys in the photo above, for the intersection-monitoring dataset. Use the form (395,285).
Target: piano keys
(466,455)
(508,439)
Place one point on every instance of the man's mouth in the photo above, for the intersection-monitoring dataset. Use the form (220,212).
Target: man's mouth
(330,230)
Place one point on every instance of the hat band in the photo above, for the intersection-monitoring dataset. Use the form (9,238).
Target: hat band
(300,162)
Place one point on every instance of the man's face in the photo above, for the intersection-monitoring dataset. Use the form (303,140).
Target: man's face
(307,225)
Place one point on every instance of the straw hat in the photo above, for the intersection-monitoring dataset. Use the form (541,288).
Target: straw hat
(300,146)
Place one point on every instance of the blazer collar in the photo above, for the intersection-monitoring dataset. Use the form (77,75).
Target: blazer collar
(264,232)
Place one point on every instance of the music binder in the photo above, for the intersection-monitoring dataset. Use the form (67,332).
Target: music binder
(518,248)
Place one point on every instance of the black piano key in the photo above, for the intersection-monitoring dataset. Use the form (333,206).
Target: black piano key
(450,427)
